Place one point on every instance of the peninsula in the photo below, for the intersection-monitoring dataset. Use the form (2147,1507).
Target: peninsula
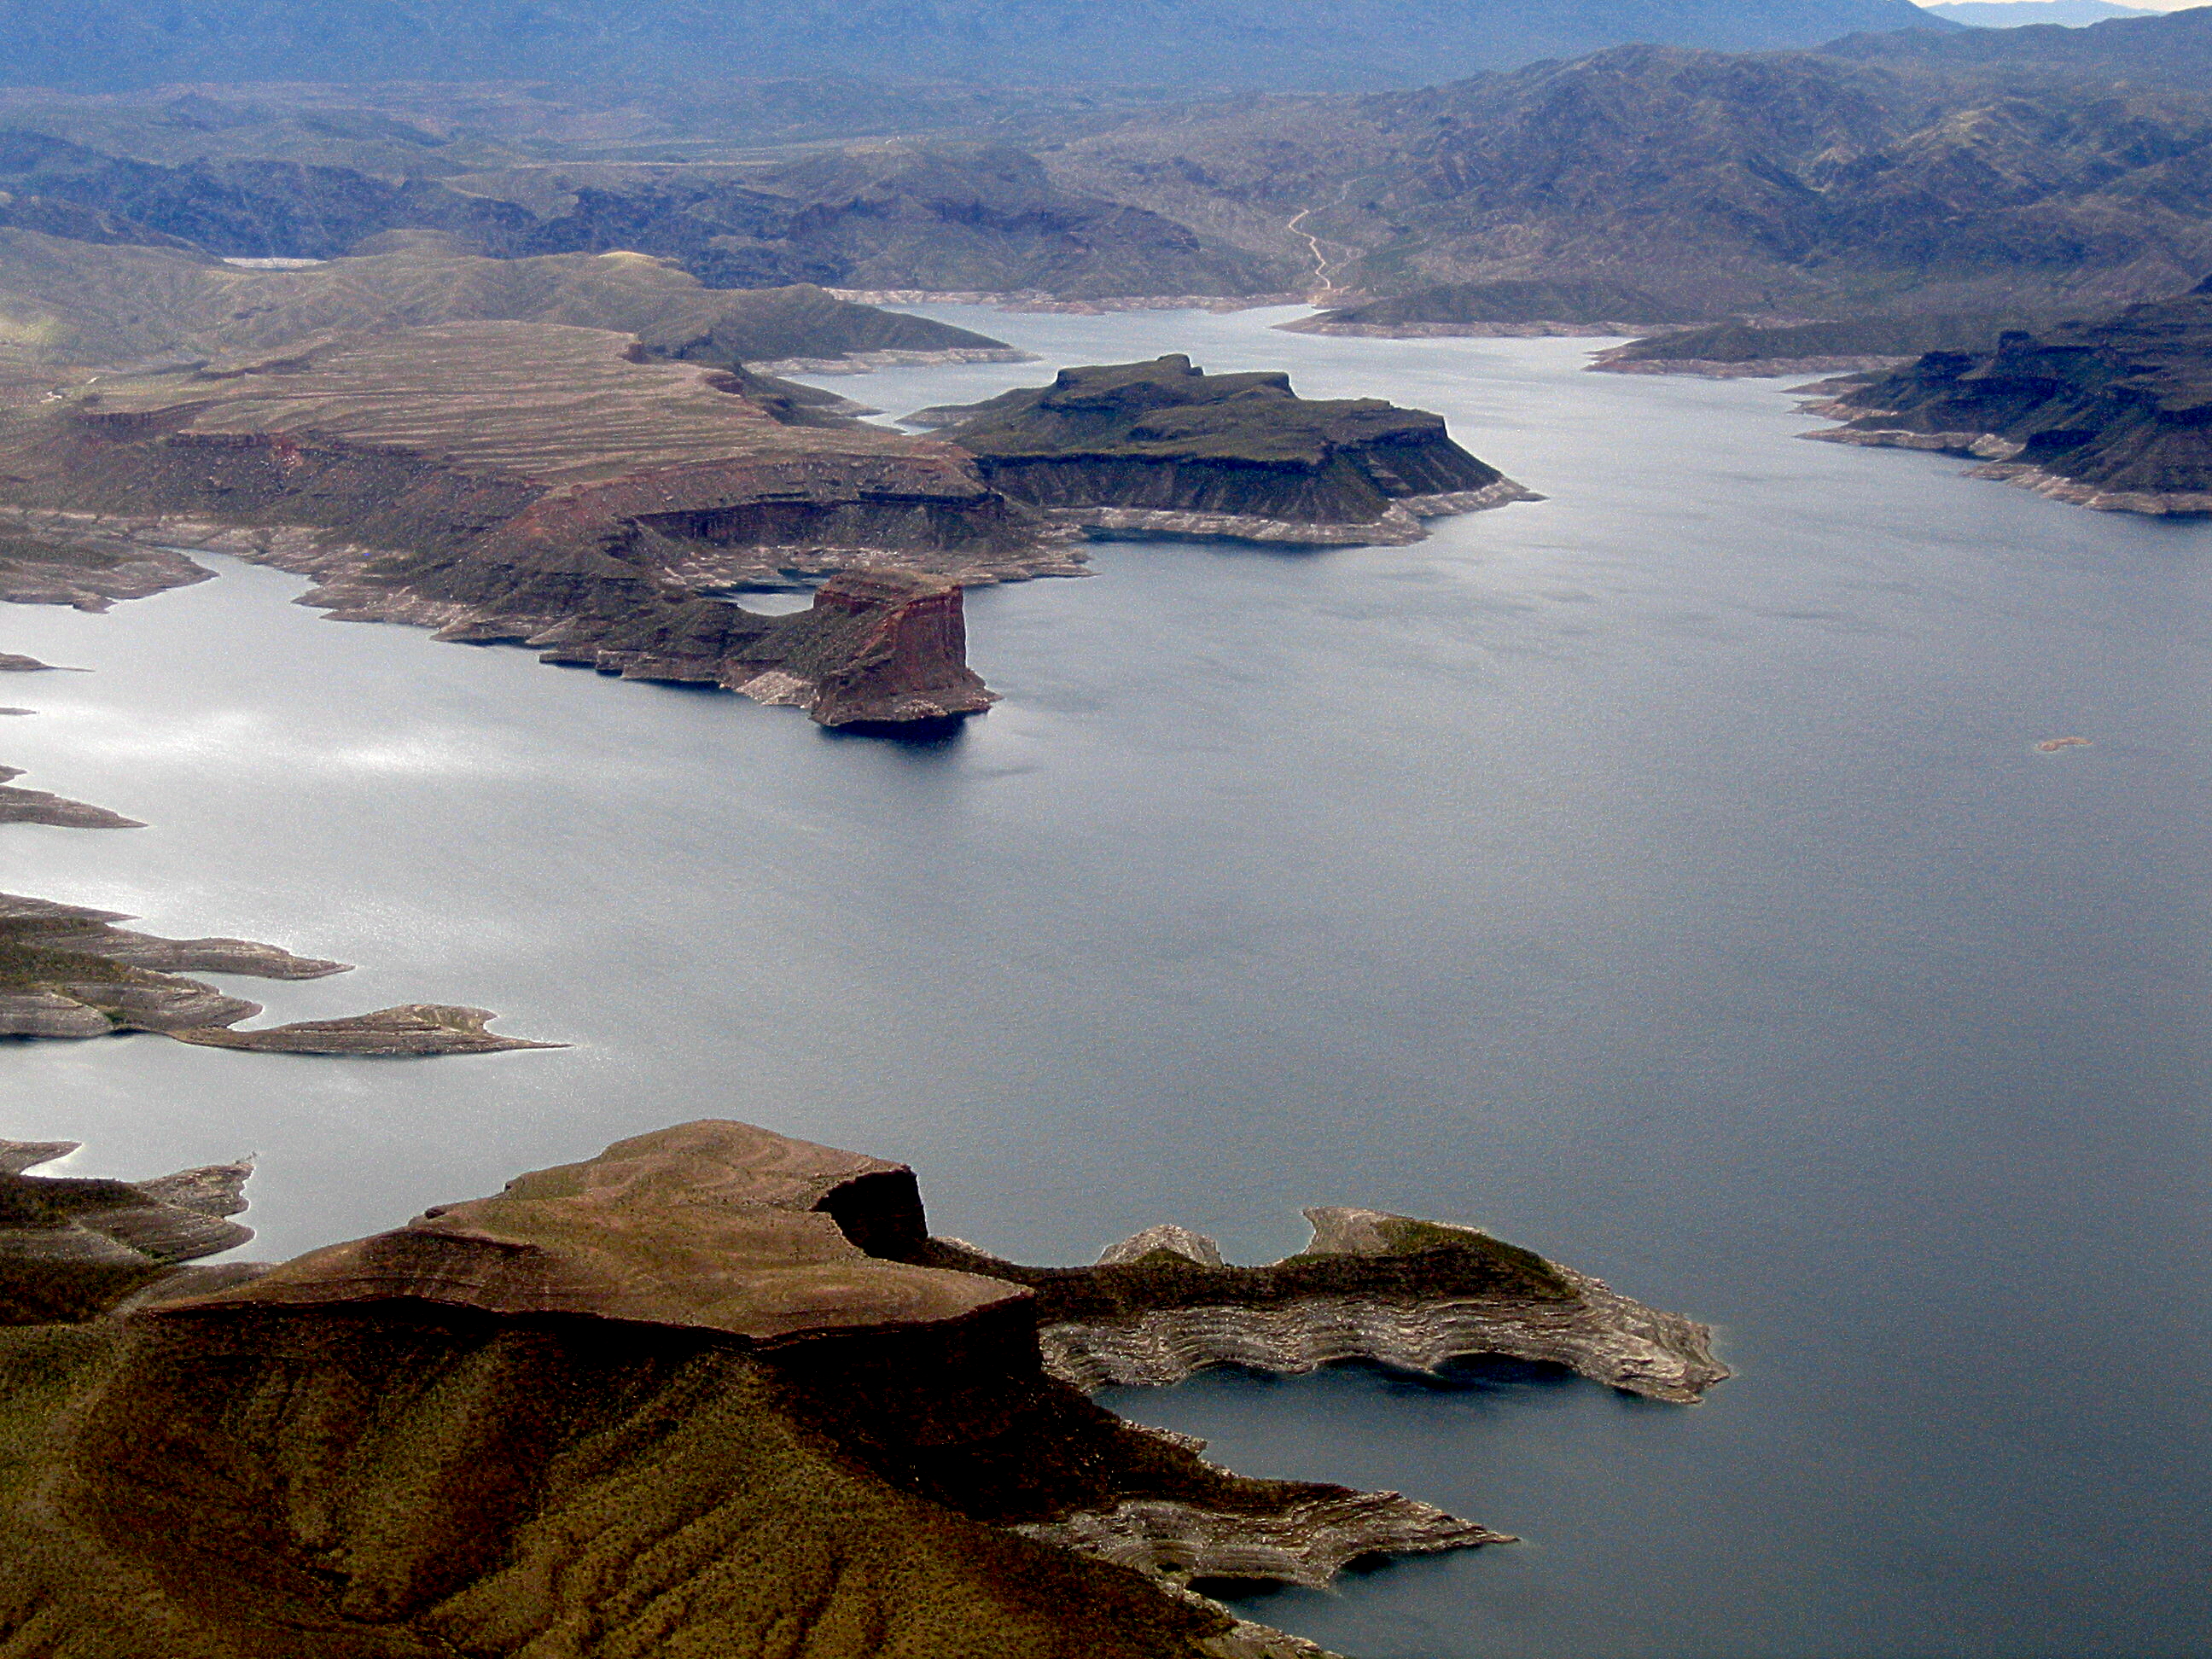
(1162,448)
(713,1389)
(2106,413)
(549,486)
(69,971)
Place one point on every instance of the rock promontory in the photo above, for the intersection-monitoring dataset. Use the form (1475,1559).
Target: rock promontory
(66,970)
(555,487)
(1162,448)
(716,1391)
(2111,412)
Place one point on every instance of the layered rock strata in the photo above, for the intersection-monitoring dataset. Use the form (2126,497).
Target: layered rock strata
(542,485)
(1402,1292)
(67,301)
(68,972)
(2108,413)
(1161,448)
(713,1391)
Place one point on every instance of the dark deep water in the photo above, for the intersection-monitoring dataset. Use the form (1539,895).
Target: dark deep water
(1662,876)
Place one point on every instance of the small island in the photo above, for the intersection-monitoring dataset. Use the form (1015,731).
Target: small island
(1162,448)
(715,1390)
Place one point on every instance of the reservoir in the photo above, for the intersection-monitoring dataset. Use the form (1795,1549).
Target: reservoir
(1665,876)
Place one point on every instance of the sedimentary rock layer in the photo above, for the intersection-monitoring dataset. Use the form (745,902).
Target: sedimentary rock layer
(1371,1286)
(528,483)
(412,1028)
(67,301)
(1162,448)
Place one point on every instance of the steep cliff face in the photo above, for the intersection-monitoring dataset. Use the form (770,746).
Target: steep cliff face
(713,1392)
(528,483)
(1161,447)
(2113,412)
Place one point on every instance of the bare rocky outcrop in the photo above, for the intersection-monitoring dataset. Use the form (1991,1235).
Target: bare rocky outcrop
(1371,1286)
(70,1246)
(413,1029)
(712,1385)
(87,566)
(67,971)
(1308,1543)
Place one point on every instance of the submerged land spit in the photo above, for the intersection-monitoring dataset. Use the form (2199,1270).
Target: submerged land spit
(68,972)
(714,1391)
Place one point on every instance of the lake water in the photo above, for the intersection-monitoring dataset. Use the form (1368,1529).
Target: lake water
(1661,875)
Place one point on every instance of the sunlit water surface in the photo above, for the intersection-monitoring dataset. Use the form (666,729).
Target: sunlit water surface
(1663,876)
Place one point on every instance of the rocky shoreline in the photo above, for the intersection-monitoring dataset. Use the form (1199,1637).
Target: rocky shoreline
(1400,526)
(866,362)
(2105,413)
(67,971)
(1038,301)
(20,805)
(529,485)
(1749,368)
(668,1393)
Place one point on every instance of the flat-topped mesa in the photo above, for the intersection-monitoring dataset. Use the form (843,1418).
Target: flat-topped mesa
(2113,413)
(533,484)
(712,1387)
(1161,448)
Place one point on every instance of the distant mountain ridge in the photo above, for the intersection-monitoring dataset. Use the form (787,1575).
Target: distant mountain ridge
(1977,170)
(1312,45)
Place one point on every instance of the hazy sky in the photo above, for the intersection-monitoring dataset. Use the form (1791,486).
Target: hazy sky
(2140,5)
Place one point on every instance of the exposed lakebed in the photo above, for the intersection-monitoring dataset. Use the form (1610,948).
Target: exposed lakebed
(1662,875)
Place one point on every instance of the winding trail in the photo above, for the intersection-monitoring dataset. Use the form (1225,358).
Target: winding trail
(1322,281)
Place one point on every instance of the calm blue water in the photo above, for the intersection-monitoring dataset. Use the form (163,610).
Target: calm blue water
(1661,875)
